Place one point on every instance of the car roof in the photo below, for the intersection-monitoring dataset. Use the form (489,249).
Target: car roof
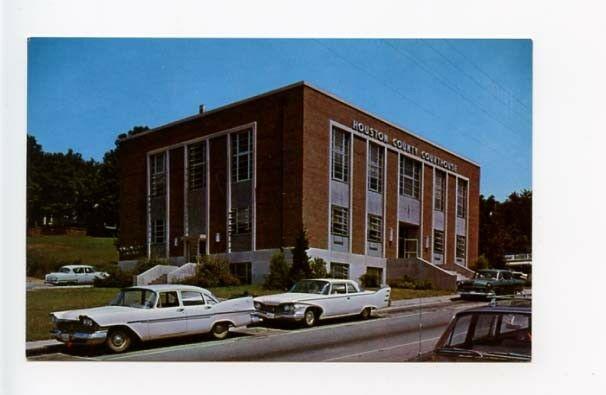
(499,308)
(493,270)
(331,280)
(170,287)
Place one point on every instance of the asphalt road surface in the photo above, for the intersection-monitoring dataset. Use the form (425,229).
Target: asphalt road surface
(395,337)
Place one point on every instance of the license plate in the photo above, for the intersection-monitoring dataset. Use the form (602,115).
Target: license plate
(64,337)
(269,315)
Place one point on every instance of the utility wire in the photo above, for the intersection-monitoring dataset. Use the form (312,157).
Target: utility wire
(444,82)
(478,83)
(486,74)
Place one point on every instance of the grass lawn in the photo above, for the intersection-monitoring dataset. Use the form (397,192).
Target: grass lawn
(52,250)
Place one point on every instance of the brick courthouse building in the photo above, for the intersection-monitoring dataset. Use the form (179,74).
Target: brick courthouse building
(242,179)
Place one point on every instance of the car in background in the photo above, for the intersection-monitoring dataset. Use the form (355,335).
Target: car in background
(74,274)
(500,332)
(309,301)
(488,283)
(144,313)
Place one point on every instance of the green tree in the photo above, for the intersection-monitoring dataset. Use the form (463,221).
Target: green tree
(279,273)
(300,260)
(318,268)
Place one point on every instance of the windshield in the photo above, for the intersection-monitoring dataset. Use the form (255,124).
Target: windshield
(311,287)
(486,275)
(491,333)
(64,270)
(138,298)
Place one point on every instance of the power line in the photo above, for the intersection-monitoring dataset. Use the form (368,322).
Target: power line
(449,86)
(525,114)
(486,75)
(397,92)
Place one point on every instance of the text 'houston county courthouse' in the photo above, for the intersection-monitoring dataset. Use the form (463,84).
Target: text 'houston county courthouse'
(243,179)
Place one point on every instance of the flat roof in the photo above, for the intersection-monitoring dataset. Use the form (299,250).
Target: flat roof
(285,88)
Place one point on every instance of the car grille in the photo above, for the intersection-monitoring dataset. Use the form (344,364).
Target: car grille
(267,308)
(72,326)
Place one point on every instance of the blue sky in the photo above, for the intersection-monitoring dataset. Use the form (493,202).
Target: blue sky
(473,97)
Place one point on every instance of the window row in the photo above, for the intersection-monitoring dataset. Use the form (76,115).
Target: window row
(340,224)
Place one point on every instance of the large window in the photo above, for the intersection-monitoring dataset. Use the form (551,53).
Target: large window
(461,198)
(196,165)
(410,177)
(157,164)
(375,229)
(340,155)
(375,168)
(339,270)
(340,221)
(241,219)
(241,156)
(461,247)
(158,231)
(439,188)
(438,242)
(241,270)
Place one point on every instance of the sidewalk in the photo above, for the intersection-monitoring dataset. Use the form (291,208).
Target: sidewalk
(48,346)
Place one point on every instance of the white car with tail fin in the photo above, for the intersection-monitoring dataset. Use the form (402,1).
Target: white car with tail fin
(309,301)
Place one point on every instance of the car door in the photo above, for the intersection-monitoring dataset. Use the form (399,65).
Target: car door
(355,300)
(168,318)
(79,275)
(336,303)
(198,312)
(89,275)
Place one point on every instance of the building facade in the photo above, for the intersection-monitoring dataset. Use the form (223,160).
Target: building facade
(243,179)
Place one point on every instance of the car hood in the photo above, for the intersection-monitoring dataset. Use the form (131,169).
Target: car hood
(98,314)
(287,297)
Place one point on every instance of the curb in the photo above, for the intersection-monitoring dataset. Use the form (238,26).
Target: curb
(447,300)
(42,347)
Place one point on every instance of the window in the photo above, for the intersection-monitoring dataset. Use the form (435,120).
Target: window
(210,300)
(78,270)
(375,229)
(340,155)
(461,198)
(241,156)
(340,221)
(241,270)
(461,247)
(157,173)
(338,289)
(196,165)
(438,242)
(168,299)
(339,270)
(241,220)
(410,177)
(351,289)
(88,270)
(439,188)
(191,298)
(157,236)
(375,168)
(459,332)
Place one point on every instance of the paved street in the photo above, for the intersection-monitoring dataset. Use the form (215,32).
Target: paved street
(391,337)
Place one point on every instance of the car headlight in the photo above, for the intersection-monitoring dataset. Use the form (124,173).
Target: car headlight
(87,321)
(288,308)
(53,318)
(257,305)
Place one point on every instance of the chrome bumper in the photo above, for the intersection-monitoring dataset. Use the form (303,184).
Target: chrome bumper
(297,316)
(88,338)
(477,293)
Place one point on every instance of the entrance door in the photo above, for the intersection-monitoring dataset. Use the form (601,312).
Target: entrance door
(408,240)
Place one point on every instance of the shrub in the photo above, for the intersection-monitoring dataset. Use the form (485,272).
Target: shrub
(318,268)
(481,263)
(279,273)
(117,278)
(370,280)
(407,282)
(212,272)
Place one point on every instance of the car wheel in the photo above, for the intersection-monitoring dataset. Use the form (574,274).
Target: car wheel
(310,318)
(118,340)
(365,314)
(220,331)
